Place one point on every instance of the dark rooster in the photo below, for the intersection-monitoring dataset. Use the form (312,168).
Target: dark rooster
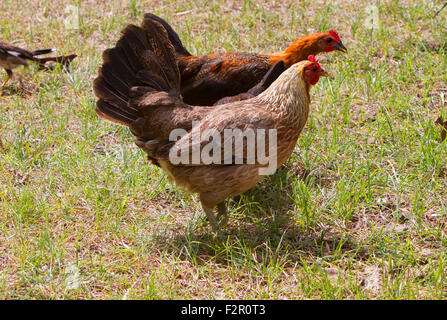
(138,86)
(12,57)
(209,78)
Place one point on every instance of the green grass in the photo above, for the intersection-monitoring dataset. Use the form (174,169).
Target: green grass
(358,212)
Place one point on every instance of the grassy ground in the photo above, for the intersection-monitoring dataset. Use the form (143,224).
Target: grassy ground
(359,212)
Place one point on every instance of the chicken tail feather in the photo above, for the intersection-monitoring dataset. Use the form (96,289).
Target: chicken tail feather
(142,63)
(63,60)
(172,35)
(42,51)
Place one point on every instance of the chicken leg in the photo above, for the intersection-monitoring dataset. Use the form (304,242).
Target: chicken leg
(216,221)
(9,72)
(222,214)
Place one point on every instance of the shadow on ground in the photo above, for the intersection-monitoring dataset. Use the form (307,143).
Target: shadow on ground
(261,224)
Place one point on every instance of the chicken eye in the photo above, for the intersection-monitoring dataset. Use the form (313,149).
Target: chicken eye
(329,40)
(314,69)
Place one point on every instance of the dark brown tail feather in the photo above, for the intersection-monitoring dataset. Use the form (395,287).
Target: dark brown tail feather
(173,36)
(62,60)
(42,51)
(143,57)
(111,113)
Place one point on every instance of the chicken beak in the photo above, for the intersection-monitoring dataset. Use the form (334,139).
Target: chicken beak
(340,47)
(323,73)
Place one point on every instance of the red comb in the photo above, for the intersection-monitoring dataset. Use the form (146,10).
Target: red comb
(334,34)
(312,58)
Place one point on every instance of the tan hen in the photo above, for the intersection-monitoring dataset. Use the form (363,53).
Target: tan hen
(139,86)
